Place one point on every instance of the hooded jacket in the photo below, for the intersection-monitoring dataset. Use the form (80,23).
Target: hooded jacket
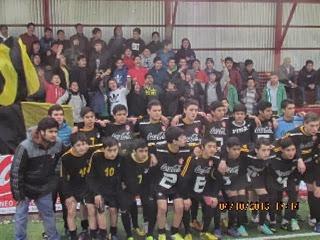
(32,172)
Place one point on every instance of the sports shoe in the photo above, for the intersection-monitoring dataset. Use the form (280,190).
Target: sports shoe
(130,238)
(162,237)
(188,236)
(272,226)
(294,225)
(285,224)
(317,228)
(207,236)
(196,225)
(255,218)
(233,232)
(176,236)
(312,222)
(242,231)
(218,233)
(149,238)
(265,229)
(44,236)
(139,231)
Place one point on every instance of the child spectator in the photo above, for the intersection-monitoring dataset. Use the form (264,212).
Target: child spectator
(117,43)
(212,90)
(155,45)
(53,90)
(210,68)
(46,40)
(61,39)
(35,49)
(80,74)
(136,43)
(97,36)
(75,99)
(73,52)
(275,93)
(120,73)
(128,58)
(147,58)
(137,101)
(99,99)
(166,53)
(28,37)
(170,100)
(151,91)
(118,95)
(193,89)
(63,71)
(235,77)
(99,58)
(186,52)
(158,73)
(200,75)
(248,72)
(83,40)
(138,72)
(250,96)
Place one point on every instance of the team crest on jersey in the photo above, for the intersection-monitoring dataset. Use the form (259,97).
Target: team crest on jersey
(127,127)
(196,130)
(181,161)
(210,163)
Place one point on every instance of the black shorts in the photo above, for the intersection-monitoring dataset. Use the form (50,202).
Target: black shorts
(109,200)
(125,200)
(256,183)
(309,175)
(166,196)
(238,183)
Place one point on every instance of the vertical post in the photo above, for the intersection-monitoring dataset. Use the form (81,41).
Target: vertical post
(168,20)
(46,12)
(278,34)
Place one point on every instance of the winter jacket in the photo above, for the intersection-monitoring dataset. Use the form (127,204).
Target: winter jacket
(120,75)
(154,46)
(281,95)
(32,172)
(138,74)
(136,46)
(184,53)
(159,76)
(305,78)
(53,92)
(117,46)
(231,93)
(165,56)
(83,42)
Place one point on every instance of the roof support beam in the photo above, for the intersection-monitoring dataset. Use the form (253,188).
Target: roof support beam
(170,18)
(278,34)
(46,12)
(285,30)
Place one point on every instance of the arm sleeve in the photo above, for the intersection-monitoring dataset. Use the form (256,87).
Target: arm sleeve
(63,98)
(17,173)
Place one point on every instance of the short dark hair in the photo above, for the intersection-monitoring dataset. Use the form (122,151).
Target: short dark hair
(209,60)
(140,143)
(98,41)
(154,102)
(208,139)
(55,107)
(156,59)
(60,31)
(147,74)
(96,30)
(190,102)
(286,142)
(261,141)
(119,107)
(233,141)
(3,26)
(285,103)
(263,105)
(137,30)
(155,33)
(173,133)
(228,59)
(214,105)
(311,117)
(240,108)
(171,58)
(309,61)
(78,137)
(109,142)
(81,56)
(47,29)
(248,62)
(86,110)
(77,25)
(47,123)
(30,24)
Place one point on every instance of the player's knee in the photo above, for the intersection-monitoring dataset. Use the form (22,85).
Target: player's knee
(162,208)
(187,204)
(178,207)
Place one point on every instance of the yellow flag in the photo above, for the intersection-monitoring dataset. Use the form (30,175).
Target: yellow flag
(9,93)
(31,75)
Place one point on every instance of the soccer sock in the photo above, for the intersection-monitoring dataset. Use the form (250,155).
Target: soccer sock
(194,209)
(93,233)
(134,214)
(232,213)
(162,231)
(113,231)
(174,230)
(125,217)
(186,221)
(73,235)
(103,233)
(263,213)
(311,204)
(85,224)
(217,218)
(208,212)
(241,214)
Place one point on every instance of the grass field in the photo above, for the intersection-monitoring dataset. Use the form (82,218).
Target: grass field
(35,229)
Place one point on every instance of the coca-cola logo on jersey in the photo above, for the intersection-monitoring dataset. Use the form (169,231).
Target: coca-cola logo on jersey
(5,165)
(122,136)
(193,138)
(156,137)
(173,169)
(202,171)
(217,131)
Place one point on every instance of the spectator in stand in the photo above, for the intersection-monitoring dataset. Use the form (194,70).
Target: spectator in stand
(210,68)
(186,52)
(234,75)
(29,37)
(158,73)
(46,41)
(250,96)
(53,89)
(155,45)
(182,65)
(275,93)
(136,43)
(117,43)
(193,89)
(137,101)
(99,99)
(50,58)
(100,58)
(36,60)
(307,79)
(128,58)
(75,99)
(138,72)
(287,76)
(79,74)
(170,99)
(61,39)
(166,53)
(35,49)
(248,72)
(212,90)
(147,58)
(172,70)
(97,36)
(83,40)
(288,121)
(118,95)
(72,53)
(200,75)
(151,91)
(63,70)
(4,35)
(120,73)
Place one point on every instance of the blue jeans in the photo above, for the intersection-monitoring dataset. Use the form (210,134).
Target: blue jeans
(303,94)
(44,205)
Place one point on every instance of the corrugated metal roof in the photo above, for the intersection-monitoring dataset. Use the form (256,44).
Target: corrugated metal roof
(305,14)
(298,57)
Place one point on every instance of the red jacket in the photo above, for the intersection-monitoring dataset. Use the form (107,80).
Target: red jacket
(53,92)
(137,74)
(128,62)
(202,76)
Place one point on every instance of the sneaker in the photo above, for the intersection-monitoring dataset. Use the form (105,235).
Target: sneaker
(176,236)
(265,229)
(218,233)
(139,231)
(44,236)
(285,224)
(317,228)
(196,225)
(207,236)
(255,218)
(273,226)
(242,231)
(149,238)
(312,222)
(294,225)
(188,236)
(162,237)
(130,238)
(233,232)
